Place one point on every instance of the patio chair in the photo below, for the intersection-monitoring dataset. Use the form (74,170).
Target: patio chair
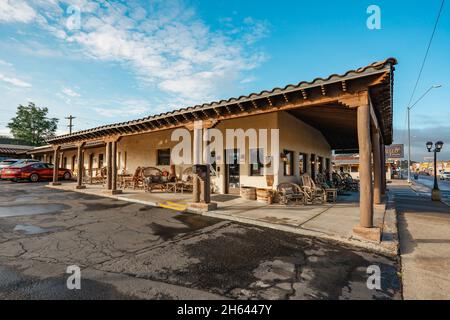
(134,181)
(330,191)
(351,184)
(99,177)
(288,191)
(186,180)
(312,192)
(153,179)
(338,182)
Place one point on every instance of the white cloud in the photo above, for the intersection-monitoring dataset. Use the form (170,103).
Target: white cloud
(16,11)
(5,63)
(164,43)
(14,81)
(70,93)
(124,109)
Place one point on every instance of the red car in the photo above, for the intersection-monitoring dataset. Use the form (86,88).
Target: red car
(34,172)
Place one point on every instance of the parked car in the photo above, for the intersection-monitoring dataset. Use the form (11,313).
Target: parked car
(445,175)
(7,162)
(33,172)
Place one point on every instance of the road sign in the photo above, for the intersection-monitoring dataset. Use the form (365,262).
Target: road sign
(394,151)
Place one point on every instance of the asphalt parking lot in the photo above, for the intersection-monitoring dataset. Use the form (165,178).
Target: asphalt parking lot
(131,251)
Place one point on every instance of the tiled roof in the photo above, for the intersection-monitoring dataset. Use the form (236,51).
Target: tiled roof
(374,68)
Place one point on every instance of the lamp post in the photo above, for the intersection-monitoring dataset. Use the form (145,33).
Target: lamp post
(435,193)
(409,127)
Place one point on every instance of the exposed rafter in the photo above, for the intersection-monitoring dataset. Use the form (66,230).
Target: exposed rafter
(305,96)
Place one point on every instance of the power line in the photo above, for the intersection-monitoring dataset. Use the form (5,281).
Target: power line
(426,53)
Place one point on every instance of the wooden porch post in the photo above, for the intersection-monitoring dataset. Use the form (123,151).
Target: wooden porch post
(109,165)
(365,174)
(56,151)
(365,229)
(383,168)
(198,143)
(376,166)
(80,168)
(114,189)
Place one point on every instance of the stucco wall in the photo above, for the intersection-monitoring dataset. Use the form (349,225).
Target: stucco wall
(295,135)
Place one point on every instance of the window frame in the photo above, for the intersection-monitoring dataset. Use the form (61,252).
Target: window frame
(291,163)
(260,171)
(158,155)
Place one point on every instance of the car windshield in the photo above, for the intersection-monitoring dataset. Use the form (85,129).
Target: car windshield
(20,165)
(7,162)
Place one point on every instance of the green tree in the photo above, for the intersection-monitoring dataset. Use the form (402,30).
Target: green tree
(32,125)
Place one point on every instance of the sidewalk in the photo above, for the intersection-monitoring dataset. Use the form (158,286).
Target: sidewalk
(424,232)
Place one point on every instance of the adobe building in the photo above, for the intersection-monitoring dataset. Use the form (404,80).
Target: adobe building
(345,113)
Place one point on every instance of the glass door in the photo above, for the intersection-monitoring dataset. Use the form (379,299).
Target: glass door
(232,171)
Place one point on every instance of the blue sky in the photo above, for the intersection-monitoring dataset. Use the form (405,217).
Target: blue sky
(129,59)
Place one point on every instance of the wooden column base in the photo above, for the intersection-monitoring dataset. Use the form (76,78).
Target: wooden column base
(371,234)
(202,207)
(112,192)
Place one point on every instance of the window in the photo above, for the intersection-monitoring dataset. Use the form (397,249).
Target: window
(212,162)
(288,163)
(163,157)
(313,165)
(302,163)
(320,164)
(65,163)
(256,162)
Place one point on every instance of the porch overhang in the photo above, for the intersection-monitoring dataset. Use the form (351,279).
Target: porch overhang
(320,102)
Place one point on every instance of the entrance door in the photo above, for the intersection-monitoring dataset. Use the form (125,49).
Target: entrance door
(232,174)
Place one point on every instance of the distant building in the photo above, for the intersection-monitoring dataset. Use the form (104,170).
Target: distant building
(13,148)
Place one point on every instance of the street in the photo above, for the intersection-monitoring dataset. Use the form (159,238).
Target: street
(132,251)
(444,185)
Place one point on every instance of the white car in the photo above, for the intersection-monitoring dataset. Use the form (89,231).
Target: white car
(445,175)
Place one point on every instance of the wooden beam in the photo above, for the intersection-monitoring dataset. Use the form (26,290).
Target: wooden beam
(270,102)
(241,107)
(305,96)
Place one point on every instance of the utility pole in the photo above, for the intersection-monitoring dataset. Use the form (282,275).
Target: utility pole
(70,126)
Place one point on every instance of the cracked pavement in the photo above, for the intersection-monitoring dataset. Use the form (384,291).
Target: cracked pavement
(132,251)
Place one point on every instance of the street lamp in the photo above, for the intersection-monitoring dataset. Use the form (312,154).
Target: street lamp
(435,193)
(409,127)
